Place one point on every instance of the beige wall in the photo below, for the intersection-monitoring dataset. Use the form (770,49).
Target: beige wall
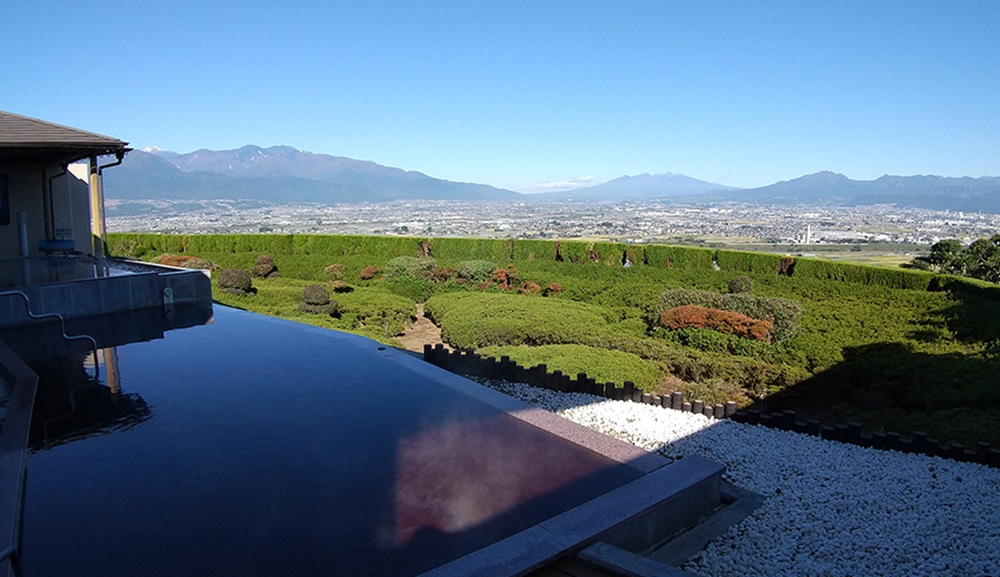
(74,212)
(70,203)
(25,189)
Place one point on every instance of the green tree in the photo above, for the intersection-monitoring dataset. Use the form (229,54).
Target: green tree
(944,253)
(982,259)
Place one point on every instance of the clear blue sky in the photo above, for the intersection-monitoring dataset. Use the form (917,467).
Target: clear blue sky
(519,94)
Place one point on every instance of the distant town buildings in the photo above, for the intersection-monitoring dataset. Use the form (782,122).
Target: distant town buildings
(627,222)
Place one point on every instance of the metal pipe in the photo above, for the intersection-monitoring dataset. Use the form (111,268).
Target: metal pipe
(22,234)
(119,158)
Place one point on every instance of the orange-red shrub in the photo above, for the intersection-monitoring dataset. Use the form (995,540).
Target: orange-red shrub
(175,259)
(369,272)
(697,317)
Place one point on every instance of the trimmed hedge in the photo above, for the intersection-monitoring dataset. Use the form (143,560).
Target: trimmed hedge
(867,275)
(749,262)
(458,249)
(605,366)
(680,257)
(534,250)
(479,319)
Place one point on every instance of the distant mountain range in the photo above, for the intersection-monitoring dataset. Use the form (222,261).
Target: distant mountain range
(283,174)
(278,174)
(922,191)
(641,187)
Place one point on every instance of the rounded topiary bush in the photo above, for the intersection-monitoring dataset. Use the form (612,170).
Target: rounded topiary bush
(264,267)
(316,300)
(315,294)
(476,270)
(235,281)
(407,267)
(530,288)
(741,284)
(200,264)
(335,271)
(369,272)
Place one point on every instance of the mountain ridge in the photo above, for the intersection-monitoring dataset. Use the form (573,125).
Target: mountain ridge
(285,174)
(279,174)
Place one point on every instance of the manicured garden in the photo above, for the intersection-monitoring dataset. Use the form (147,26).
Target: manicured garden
(896,349)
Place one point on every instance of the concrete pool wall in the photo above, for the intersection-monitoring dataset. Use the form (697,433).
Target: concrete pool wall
(84,293)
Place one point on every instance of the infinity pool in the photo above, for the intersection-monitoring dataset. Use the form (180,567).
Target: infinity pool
(256,446)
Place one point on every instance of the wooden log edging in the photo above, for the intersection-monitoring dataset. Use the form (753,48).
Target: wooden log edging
(918,442)
(472,364)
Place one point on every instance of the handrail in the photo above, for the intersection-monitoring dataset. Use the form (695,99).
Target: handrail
(62,323)
(14,436)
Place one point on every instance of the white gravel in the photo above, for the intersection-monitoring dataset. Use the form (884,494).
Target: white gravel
(832,509)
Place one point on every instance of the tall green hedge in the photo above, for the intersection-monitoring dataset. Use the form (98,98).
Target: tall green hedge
(534,250)
(749,262)
(459,249)
(609,252)
(664,256)
(856,273)
(384,248)
(574,251)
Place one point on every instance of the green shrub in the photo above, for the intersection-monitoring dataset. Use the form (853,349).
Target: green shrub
(476,271)
(200,264)
(315,294)
(335,271)
(378,311)
(474,319)
(408,267)
(714,391)
(602,365)
(741,284)
(235,281)
(316,300)
(264,267)
(415,289)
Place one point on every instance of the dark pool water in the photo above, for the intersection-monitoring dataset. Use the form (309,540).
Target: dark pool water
(255,446)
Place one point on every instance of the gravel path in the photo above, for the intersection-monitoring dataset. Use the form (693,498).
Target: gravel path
(832,509)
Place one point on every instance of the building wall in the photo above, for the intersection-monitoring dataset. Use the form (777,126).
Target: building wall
(70,207)
(73,206)
(24,190)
